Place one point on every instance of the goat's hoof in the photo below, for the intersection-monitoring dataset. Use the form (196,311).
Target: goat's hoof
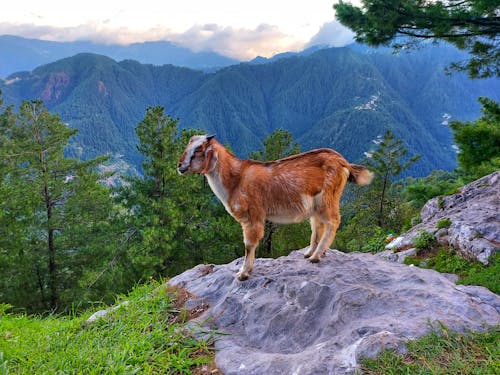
(306,255)
(242,276)
(314,260)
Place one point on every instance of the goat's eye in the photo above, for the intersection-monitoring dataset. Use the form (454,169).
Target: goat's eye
(197,149)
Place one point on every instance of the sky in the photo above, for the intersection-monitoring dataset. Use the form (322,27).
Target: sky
(235,28)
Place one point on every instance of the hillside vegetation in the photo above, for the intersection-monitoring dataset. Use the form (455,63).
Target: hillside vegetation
(343,98)
(69,237)
(146,335)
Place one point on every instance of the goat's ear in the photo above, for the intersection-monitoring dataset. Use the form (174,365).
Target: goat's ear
(210,137)
(210,160)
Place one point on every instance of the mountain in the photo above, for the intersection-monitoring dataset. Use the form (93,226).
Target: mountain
(336,97)
(19,54)
(264,60)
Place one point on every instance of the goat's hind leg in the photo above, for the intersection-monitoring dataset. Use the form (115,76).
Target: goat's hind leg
(317,230)
(326,240)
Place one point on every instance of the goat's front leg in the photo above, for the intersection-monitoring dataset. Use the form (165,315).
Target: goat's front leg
(252,234)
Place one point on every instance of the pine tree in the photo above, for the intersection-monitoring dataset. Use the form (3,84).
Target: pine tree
(56,211)
(479,141)
(377,208)
(177,220)
(387,162)
(472,25)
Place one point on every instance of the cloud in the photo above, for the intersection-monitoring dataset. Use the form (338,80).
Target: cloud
(240,43)
(92,31)
(333,34)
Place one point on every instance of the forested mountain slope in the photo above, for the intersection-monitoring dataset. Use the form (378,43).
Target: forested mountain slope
(339,97)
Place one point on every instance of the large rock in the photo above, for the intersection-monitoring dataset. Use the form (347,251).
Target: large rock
(294,317)
(474,213)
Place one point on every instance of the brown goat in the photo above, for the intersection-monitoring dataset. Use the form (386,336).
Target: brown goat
(289,190)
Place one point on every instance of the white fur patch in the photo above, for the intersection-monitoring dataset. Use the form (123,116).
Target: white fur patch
(295,213)
(196,140)
(219,190)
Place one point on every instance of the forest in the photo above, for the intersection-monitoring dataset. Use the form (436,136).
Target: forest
(70,239)
(342,98)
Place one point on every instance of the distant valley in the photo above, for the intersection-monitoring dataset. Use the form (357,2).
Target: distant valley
(344,98)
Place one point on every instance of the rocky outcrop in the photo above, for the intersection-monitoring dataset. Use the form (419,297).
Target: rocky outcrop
(295,317)
(471,220)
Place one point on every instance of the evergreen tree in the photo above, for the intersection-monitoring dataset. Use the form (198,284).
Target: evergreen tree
(472,25)
(178,222)
(378,208)
(479,141)
(277,145)
(56,212)
(387,162)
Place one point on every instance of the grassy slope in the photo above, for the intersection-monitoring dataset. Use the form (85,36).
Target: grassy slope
(442,353)
(141,337)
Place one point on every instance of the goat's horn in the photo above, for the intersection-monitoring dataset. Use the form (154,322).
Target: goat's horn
(209,137)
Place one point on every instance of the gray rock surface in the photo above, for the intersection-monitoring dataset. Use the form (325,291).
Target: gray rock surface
(398,257)
(474,213)
(103,313)
(294,317)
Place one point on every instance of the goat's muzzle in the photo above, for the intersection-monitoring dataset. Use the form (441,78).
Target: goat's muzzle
(182,169)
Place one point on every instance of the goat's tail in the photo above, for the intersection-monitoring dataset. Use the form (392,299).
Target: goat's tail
(360,175)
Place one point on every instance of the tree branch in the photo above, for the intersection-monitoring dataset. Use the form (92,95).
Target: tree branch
(112,261)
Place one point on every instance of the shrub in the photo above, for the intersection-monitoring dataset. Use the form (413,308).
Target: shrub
(425,241)
(376,242)
(443,223)
(440,203)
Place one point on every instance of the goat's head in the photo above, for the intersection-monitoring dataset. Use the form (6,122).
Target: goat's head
(199,156)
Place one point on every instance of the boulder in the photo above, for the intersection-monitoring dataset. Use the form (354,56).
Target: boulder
(295,317)
(399,256)
(474,216)
(103,313)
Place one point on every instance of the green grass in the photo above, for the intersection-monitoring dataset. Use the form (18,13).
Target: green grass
(441,353)
(443,223)
(469,272)
(425,240)
(144,336)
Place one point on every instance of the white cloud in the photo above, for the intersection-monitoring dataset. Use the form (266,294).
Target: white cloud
(243,43)
(240,29)
(239,43)
(91,31)
(333,34)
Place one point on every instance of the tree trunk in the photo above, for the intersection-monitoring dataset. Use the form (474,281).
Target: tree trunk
(51,250)
(267,242)
(40,286)
(382,199)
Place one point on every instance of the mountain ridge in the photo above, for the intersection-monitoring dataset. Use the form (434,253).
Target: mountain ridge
(337,97)
(25,54)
